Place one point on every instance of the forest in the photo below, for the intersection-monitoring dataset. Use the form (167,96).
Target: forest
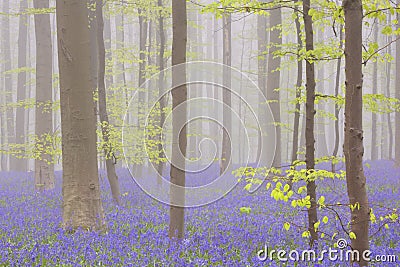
(200,133)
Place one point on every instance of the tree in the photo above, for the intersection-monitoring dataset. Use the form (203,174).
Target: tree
(397,116)
(374,145)
(82,205)
(261,75)
(161,41)
(310,114)
(299,81)
(337,110)
(6,48)
(226,94)
(104,121)
(179,96)
(353,140)
(273,80)
(44,166)
(21,164)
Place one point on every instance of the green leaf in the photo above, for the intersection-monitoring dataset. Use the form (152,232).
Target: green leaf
(352,235)
(286,226)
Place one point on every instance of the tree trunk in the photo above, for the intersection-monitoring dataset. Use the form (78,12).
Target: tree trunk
(143,25)
(388,83)
(21,164)
(337,108)
(82,205)
(295,138)
(179,97)
(160,164)
(3,118)
(108,149)
(44,166)
(374,144)
(226,95)
(107,43)
(310,113)
(353,141)
(273,84)
(261,78)
(320,138)
(397,89)
(6,51)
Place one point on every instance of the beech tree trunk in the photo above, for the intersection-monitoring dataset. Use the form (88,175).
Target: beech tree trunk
(21,164)
(226,94)
(337,108)
(82,207)
(6,48)
(310,114)
(353,141)
(179,97)
(160,164)
(374,145)
(261,77)
(397,87)
(44,166)
(273,83)
(388,83)
(295,138)
(108,149)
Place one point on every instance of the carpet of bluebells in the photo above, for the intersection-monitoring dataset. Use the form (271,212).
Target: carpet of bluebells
(218,234)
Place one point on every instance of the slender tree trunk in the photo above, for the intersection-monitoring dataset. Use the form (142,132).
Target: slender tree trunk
(295,138)
(226,95)
(6,48)
(82,205)
(141,79)
(108,149)
(3,118)
(44,166)
(374,145)
(388,83)
(107,43)
(179,97)
(273,83)
(397,89)
(162,101)
(337,108)
(262,77)
(320,136)
(310,112)
(21,164)
(353,142)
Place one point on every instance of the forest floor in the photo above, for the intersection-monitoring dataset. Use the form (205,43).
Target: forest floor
(218,234)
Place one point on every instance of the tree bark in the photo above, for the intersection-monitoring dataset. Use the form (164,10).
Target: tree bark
(160,164)
(353,141)
(388,83)
(337,108)
(310,114)
(6,48)
(105,130)
(397,89)
(44,166)
(179,97)
(226,94)
(374,145)
(295,138)
(21,164)
(273,83)
(82,207)
(261,76)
